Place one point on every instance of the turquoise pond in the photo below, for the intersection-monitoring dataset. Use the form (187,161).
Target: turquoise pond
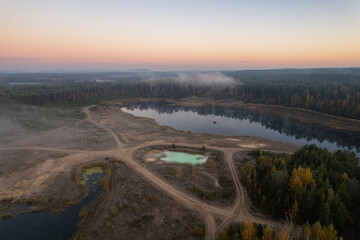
(181,157)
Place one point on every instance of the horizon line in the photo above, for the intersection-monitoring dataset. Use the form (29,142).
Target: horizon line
(154,70)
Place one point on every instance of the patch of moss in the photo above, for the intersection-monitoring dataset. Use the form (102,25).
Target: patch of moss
(88,172)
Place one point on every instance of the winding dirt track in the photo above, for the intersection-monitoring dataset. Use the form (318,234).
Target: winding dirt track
(239,211)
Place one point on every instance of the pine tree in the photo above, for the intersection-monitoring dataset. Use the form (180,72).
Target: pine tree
(325,213)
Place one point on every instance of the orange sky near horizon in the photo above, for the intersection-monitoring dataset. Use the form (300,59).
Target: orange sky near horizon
(39,35)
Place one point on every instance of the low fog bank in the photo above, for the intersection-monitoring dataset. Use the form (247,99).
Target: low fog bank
(208,78)
(196,78)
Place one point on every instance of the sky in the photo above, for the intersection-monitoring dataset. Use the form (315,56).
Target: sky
(178,35)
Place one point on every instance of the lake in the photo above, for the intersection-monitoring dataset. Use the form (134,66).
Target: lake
(234,122)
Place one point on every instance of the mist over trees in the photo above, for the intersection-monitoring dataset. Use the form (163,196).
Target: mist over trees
(336,93)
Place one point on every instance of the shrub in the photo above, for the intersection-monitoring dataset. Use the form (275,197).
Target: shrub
(113,210)
(197,231)
(6,216)
(150,197)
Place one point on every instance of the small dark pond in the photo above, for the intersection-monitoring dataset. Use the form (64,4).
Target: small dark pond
(45,225)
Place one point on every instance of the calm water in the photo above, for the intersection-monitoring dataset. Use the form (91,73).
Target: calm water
(181,157)
(232,122)
(45,225)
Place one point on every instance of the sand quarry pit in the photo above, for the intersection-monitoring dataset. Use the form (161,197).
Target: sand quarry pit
(207,178)
(32,164)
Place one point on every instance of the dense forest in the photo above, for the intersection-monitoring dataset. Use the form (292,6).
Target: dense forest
(336,93)
(312,185)
(332,93)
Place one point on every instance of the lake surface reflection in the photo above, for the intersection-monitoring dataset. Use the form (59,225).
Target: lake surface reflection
(234,121)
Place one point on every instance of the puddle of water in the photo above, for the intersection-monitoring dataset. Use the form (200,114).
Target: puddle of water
(181,157)
(45,225)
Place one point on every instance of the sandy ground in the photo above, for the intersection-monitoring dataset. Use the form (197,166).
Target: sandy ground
(33,167)
(210,181)
(142,212)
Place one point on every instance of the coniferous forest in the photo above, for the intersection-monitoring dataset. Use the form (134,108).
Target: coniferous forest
(312,185)
(332,92)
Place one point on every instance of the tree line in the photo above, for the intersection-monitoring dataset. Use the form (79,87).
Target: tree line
(252,231)
(331,93)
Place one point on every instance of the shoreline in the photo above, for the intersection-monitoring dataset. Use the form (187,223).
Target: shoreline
(286,113)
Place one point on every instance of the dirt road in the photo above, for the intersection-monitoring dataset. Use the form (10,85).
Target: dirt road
(238,211)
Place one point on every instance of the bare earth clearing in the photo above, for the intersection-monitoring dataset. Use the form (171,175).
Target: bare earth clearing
(32,167)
